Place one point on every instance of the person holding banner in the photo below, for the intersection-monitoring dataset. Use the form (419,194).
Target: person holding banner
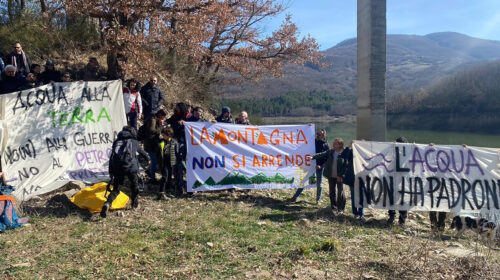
(335,168)
(402,213)
(321,145)
(225,116)
(168,153)
(349,178)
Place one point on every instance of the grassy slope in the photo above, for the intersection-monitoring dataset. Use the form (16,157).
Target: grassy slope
(251,235)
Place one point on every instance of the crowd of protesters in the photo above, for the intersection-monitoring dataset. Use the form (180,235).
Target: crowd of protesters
(18,73)
(164,142)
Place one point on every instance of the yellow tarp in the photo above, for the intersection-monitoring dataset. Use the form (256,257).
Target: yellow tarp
(92,198)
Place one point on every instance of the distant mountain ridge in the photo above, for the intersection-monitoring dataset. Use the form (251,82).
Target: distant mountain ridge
(413,62)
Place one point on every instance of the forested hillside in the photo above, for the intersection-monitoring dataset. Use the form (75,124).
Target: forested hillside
(466,101)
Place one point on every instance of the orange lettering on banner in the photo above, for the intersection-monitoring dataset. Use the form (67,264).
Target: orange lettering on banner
(299,160)
(262,140)
(204,131)
(285,137)
(279,160)
(275,142)
(244,161)
(288,160)
(221,136)
(240,137)
(255,161)
(234,136)
(192,138)
(264,160)
(236,164)
(308,160)
(253,129)
(271,160)
(304,139)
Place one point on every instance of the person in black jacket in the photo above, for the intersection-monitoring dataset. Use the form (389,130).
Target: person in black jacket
(125,144)
(358,213)
(225,116)
(19,59)
(10,81)
(402,213)
(152,98)
(321,145)
(50,75)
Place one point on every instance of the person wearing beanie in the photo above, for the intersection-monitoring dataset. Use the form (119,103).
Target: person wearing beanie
(225,116)
(50,75)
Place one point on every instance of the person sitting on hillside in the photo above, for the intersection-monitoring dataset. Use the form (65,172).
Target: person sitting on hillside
(123,162)
(133,102)
(242,118)
(92,71)
(50,75)
(225,116)
(321,145)
(167,157)
(10,81)
(152,98)
(66,77)
(19,59)
(30,82)
(197,115)
(37,70)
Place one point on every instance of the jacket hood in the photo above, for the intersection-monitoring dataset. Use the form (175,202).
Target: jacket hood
(125,134)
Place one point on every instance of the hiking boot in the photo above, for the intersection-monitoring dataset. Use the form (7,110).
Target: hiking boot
(362,219)
(135,203)
(291,200)
(162,196)
(390,221)
(104,210)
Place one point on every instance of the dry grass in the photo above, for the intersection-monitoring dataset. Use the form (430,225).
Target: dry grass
(237,235)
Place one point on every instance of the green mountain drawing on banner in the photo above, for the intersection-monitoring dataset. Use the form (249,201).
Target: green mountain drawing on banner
(235,178)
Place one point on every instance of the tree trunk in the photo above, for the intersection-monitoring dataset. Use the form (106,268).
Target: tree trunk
(112,65)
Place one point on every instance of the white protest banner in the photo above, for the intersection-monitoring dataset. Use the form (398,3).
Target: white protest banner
(448,178)
(58,133)
(223,156)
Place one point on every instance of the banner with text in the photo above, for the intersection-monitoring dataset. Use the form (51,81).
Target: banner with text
(223,156)
(58,133)
(449,178)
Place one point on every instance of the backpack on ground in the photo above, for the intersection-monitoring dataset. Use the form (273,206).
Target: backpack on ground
(121,156)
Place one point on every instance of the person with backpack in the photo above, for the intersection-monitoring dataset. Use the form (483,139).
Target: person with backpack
(123,163)
(152,130)
(168,155)
(132,101)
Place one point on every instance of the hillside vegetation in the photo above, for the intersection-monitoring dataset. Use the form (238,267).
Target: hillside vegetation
(466,101)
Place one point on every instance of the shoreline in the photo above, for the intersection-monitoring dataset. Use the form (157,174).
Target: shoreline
(320,119)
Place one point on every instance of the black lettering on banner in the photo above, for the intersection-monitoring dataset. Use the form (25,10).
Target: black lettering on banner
(491,193)
(28,191)
(93,138)
(419,184)
(455,184)
(20,153)
(474,194)
(27,172)
(398,162)
(39,98)
(56,144)
(95,95)
(434,185)
(402,192)
(376,180)
(56,163)
(444,188)
(364,191)
(465,190)
(388,190)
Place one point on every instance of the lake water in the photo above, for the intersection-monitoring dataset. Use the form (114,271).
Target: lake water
(347,131)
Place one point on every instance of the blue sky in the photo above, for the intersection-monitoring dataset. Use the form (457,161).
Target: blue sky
(332,21)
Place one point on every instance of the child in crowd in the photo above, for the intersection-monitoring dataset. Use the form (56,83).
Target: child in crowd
(167,155)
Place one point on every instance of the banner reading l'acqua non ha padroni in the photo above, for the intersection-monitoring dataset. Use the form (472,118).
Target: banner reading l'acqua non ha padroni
(448,178)
(223,156)
(58,133)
